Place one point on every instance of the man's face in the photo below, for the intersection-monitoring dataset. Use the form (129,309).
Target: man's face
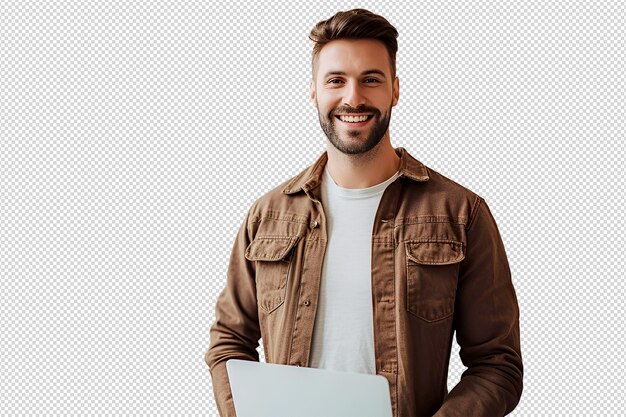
(353,78)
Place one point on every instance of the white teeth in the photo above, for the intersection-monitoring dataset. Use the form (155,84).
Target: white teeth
(353,118)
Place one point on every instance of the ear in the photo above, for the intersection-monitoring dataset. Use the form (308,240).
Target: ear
(312,92)
(396,91)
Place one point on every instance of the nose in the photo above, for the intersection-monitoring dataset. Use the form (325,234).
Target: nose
(354,95)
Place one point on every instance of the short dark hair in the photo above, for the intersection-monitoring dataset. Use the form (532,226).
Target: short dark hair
(355,24)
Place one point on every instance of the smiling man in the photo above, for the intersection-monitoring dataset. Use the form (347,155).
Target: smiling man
(352,102)
(368,260)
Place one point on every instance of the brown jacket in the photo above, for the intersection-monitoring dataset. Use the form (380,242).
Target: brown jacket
(438,266)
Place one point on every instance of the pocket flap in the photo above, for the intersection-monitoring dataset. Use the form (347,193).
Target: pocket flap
(270,248)
(435,252)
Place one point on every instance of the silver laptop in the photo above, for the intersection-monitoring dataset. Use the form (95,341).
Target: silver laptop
(270,390)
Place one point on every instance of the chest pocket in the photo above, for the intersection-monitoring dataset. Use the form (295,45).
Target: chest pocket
(272,255)
(432,269)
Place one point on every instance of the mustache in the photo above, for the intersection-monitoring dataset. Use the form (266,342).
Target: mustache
(360,109)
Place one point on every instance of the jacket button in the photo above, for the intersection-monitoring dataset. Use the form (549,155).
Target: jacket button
(314,224)
(307,302)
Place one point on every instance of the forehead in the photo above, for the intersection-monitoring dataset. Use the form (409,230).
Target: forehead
(353,56)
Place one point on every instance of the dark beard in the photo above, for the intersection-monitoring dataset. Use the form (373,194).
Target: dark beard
(381,124)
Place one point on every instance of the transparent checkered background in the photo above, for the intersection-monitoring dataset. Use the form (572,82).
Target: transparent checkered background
(135,135)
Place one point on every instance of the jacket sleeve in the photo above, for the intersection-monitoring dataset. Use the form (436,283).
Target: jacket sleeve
(235,333)
(487,326)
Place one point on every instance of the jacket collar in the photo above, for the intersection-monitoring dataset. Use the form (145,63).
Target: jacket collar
(311,177)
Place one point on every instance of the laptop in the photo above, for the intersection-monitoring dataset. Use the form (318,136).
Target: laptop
(270,390)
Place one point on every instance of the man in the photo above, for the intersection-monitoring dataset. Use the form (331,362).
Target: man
(369,261)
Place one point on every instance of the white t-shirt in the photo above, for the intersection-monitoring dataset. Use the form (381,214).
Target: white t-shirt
(343,335)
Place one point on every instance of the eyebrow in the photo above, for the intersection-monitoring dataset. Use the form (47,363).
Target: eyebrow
(369,71)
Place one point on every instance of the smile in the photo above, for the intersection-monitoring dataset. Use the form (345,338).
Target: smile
(355,120)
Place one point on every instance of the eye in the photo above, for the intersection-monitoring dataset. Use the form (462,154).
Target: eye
(332,81)
(372,79)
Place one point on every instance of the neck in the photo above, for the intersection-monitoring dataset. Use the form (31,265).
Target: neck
(363,170)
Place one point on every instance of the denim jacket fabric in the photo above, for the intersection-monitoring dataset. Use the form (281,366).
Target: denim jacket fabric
(438,266)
